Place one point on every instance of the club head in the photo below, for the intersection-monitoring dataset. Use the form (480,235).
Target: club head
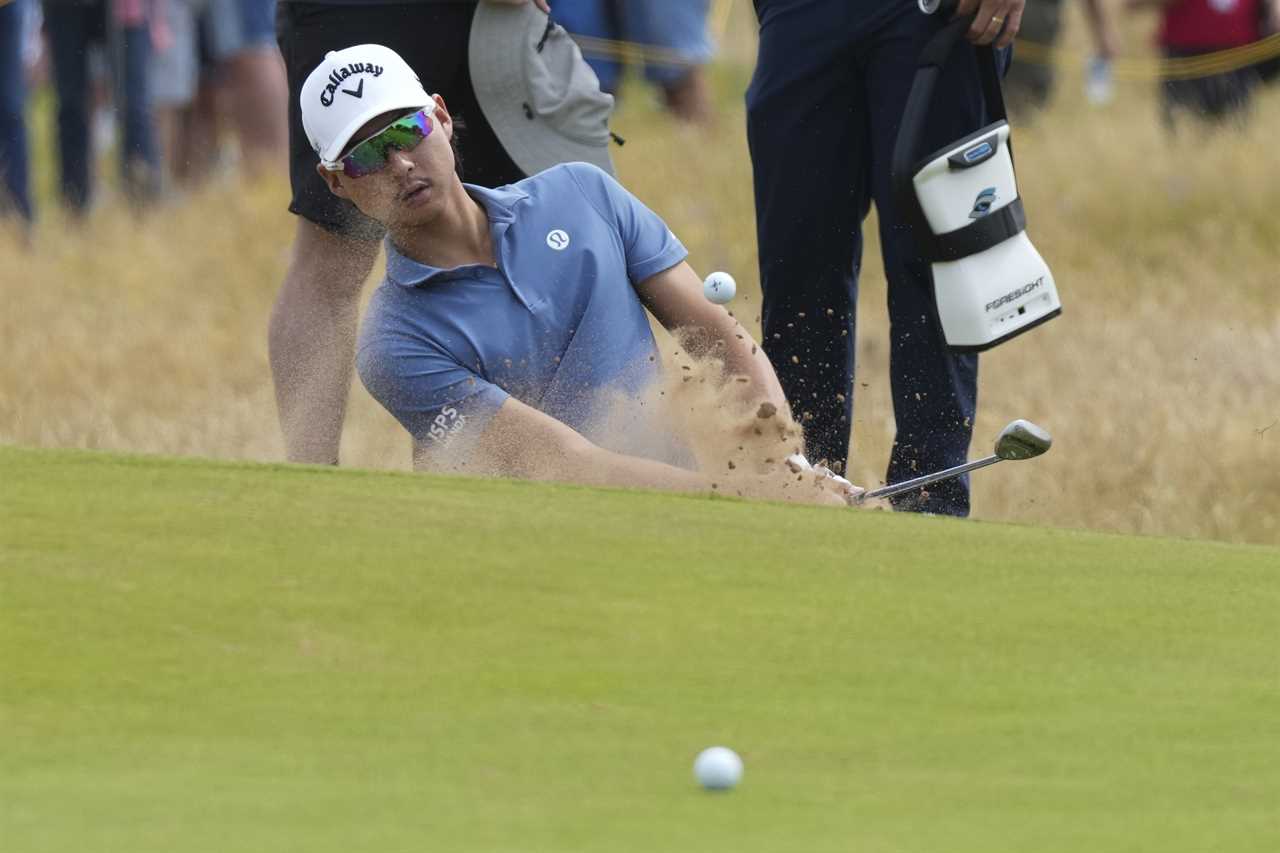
(1022,440)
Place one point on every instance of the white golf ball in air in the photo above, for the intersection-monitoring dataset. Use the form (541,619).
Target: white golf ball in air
(718,768)
(719,287)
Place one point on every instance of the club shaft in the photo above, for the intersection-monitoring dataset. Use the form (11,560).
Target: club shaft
(908,485)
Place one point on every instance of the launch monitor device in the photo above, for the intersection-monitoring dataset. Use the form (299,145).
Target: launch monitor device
(989,282)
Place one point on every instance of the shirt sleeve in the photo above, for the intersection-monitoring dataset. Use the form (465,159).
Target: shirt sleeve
(434,397)
(649,245)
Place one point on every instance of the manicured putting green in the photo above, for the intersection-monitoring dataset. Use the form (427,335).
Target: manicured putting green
(199,656)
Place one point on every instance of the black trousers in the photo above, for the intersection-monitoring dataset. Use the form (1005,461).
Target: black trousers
(823,111)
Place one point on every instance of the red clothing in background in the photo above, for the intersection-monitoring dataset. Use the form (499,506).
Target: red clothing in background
(1210,24)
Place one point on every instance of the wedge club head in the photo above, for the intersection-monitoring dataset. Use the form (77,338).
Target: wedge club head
(1021,439)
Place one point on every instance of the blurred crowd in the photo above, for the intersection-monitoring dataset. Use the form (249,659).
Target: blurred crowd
(160,82)
(165,84)
(1215,88)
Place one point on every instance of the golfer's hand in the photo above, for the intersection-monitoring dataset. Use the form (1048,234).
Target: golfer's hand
(996,20)
(541,4)
(825,479)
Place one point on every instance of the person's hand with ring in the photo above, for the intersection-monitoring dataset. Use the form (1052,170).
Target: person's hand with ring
(995,21)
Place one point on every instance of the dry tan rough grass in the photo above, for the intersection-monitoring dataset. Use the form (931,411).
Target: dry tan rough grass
(1161,382)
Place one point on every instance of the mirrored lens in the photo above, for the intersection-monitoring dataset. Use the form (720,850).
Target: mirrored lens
(371,155)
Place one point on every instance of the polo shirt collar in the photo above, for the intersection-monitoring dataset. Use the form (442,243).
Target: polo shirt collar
(499,205)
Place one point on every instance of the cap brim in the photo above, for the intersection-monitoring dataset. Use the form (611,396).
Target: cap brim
(498,79)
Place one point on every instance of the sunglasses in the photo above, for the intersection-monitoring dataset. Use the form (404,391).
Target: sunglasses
(370,156)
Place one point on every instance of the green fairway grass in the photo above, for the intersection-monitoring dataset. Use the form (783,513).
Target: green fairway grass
(229,657)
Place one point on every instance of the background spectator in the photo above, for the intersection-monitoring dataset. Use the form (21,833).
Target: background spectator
(15,192)
(1196,27)
(202,35)
(122,30)
(1028,85)
(257,90)
(823,111)
(677,28)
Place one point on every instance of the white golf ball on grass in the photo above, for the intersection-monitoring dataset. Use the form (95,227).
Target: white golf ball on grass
(718,768)
(719,287)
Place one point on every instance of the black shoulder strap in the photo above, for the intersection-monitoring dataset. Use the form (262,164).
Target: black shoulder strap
(992,91)
(983,233)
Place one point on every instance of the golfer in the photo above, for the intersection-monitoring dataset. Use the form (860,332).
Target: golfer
(511,319)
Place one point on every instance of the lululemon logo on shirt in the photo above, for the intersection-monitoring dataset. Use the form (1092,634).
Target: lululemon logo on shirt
(558,240)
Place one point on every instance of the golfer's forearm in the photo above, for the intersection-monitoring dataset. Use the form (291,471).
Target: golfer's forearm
(574,459)
(675,297)
(745,358)
(595,466)
(525,443)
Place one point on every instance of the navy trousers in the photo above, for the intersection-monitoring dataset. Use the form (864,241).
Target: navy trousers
(15,188)
(823,110)
(72,28)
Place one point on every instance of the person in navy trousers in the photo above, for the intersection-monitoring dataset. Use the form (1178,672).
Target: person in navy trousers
(823,110)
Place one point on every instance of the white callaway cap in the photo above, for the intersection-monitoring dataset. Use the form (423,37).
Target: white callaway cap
(350,87)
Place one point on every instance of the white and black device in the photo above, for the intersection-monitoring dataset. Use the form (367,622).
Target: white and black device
(989,282)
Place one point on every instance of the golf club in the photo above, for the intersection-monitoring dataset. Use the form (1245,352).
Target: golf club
(1019,440)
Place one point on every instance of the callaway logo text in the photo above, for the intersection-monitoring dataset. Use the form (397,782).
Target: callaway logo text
(339,75)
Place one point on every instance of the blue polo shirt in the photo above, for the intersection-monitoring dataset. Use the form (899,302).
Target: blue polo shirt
(557,324)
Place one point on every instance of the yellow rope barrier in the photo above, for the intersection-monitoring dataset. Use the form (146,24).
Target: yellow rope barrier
(631,52)
(1145,70)
(1132,69)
